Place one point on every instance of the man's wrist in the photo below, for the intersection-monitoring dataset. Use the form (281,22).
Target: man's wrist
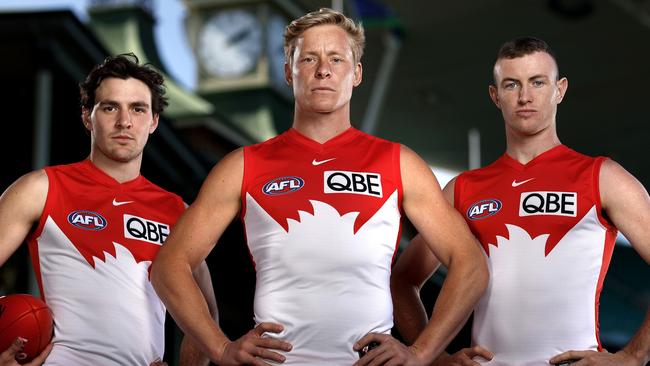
(219,351)
(422,354)
(639,356)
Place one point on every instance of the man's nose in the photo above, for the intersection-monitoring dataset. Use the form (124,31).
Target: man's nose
(524,95)
(123,118)
(323,70)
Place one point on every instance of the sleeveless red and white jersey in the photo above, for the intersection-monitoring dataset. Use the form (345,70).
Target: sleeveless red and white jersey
(92,252)
(548,249)
(322,223)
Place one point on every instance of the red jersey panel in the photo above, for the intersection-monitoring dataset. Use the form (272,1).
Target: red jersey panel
(322,223)
(548,249)
(92,252)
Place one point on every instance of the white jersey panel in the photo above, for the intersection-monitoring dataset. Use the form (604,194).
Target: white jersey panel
(538,306)
(127,324)
(327,285)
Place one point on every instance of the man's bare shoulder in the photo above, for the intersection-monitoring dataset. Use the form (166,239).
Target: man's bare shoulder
(621,192)
(34,182)
(25,198)
(225,179)
(614,178)
(232,160)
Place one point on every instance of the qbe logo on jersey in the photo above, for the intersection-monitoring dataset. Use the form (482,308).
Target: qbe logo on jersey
(146,230)
(338,181)
(548,203)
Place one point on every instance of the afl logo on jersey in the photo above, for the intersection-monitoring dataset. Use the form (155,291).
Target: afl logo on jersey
(283,185)
(87,220)
(483,209)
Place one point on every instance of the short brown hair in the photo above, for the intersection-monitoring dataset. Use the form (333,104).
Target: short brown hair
(522,46)
(322,17)
(124,66)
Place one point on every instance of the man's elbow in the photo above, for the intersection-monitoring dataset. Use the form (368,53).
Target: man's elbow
(473,269)
(479,274)
(157,275)
(400,283)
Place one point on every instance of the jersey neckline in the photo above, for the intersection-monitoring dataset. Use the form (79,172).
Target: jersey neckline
(103,178)
(545,156)
(294,136)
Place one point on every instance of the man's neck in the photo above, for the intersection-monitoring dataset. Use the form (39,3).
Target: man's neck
(321,127)
(526,148)
(120,171)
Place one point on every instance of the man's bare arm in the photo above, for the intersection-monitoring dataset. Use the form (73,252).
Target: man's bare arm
(451,241)
(190,353)
(21,206)
(189,243)
(627,205)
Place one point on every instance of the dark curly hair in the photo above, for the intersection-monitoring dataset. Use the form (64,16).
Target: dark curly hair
(124,66)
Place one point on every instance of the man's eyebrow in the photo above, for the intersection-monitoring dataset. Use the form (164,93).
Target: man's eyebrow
(509,79)
(138,103)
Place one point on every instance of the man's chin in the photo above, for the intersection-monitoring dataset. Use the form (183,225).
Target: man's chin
(123,157)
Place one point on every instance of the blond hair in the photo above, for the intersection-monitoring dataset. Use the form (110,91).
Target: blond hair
(322,17)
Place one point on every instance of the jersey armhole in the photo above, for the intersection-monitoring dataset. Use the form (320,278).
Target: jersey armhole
(596,184)
(46,208)
(457,187)
(397,149)
(32,244)
(244,182)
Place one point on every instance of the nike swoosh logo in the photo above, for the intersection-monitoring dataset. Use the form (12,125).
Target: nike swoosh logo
(315,162)
(117,203)
(517,184)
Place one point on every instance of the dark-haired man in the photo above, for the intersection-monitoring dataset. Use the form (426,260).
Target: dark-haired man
(81,222)
(547,218)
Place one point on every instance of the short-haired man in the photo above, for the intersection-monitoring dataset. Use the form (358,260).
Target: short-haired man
(321,204)
(79,220)
(547,218)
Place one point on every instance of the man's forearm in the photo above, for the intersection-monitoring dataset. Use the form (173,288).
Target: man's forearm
(410,314)
(464,285)
(639,345)
(180,293)
(191,355)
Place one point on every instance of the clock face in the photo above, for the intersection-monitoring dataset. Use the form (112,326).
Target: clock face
(275,47)
(230,43)
(275,51)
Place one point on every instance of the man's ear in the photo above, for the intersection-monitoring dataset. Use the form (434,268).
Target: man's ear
(562,86)
(358,74)
(85,118)
(494,95)
(154,124)
(287,74)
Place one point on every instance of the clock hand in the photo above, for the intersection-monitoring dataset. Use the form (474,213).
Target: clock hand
(237,37)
